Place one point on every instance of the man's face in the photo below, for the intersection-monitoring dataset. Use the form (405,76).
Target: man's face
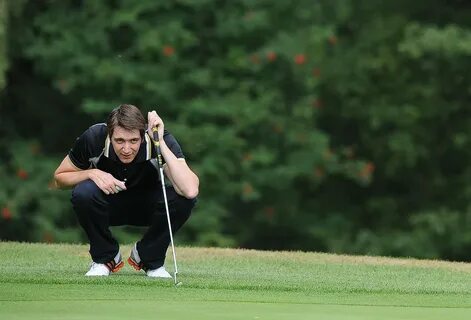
(126,143)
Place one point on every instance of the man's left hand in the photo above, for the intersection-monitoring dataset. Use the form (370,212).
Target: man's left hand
(154,120)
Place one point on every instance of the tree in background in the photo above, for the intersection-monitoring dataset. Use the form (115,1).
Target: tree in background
(404,104)
(315,126)
(3,43)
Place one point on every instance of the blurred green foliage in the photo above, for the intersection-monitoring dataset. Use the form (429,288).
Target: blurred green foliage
(339,126)
(3,42)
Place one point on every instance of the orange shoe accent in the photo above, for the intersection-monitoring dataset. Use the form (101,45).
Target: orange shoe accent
(134,264)
(118,267)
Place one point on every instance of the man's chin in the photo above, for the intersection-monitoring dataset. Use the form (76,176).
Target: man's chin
(126,160)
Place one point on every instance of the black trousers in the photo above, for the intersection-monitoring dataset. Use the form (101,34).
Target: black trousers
(97,211)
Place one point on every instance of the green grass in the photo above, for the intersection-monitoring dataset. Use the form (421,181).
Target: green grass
(39,281)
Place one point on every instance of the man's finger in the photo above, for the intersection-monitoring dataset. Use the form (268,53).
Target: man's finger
(120,185)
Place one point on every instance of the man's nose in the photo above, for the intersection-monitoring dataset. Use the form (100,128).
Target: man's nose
(127,147)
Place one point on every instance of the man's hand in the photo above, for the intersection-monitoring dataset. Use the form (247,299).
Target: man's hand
(106,182)
(154,120)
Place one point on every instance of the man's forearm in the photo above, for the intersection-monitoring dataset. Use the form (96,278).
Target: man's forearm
(181,176)
(65,180)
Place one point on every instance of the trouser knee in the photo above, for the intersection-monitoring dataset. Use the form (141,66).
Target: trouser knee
(184,206)
(182,210)
(86,196)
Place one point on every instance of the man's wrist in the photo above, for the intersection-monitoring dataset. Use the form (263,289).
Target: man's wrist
(91,173)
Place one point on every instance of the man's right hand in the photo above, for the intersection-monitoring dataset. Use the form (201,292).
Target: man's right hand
(106,182)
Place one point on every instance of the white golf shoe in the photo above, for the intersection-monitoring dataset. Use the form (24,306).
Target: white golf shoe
(135,261)
(98,270)
(104,269)
(158,273)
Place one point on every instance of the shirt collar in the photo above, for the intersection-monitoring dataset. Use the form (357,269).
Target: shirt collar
(145,150)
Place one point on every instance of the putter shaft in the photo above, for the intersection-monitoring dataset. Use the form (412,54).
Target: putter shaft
(164,191)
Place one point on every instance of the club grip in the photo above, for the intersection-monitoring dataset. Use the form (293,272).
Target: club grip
(155,133)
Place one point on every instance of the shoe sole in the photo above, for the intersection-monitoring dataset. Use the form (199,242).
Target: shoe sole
(118,267)
(134,264)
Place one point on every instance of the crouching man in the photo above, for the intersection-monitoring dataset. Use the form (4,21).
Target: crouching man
(115,179)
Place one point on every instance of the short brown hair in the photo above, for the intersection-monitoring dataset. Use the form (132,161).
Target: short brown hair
(128,117)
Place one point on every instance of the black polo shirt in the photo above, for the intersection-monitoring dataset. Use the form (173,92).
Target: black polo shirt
(93,149)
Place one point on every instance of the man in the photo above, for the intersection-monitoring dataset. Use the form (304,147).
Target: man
(113,172)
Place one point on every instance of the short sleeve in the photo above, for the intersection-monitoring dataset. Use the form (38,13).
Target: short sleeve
(87,146)
(173,145)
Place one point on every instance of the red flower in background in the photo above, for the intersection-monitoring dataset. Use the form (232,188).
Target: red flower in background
(319,172)
(316,72)
(271,56)
(22,174)
(6,213)
(369,167)
(317,104)
(367,170)
(247,157)
(277,128)
(333,40)
(269,212)
(168,50)
(300,58)
(247,189)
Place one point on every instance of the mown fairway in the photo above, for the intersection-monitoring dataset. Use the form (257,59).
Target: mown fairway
(40,281)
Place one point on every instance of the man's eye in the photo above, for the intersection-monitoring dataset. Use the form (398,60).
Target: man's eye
(134,140)
(119,141)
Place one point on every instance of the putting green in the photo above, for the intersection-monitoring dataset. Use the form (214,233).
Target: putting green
(46,282)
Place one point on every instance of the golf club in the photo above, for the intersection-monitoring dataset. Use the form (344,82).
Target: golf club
(161,170)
